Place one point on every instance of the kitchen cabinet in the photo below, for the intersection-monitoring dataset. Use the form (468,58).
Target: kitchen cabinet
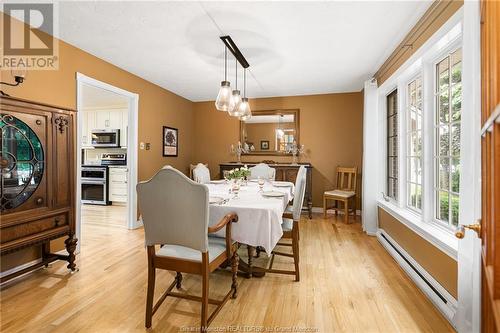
(104,119)
(118,182)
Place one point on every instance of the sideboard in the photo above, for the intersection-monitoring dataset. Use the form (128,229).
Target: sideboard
(284,172)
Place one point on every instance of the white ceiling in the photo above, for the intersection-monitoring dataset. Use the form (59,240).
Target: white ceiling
(294,48)
(93,97)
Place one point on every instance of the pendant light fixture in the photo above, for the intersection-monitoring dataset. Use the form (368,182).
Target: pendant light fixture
(234,109)
(223,101)
(245,106)
(232,101)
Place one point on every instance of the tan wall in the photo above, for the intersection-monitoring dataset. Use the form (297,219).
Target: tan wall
(157,107)
(331,128)
(442,267)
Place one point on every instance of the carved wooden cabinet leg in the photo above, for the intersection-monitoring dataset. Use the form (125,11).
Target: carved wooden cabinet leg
(46,252)
(71,247)
(178,280)
(234,269)
(250,251)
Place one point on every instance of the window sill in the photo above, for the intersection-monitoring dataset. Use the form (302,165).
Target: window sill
(440,238)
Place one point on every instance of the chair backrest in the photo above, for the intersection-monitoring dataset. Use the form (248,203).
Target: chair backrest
(300,192)
(347,178)
(262,170)
(191,168)
(174,210)
(201,174)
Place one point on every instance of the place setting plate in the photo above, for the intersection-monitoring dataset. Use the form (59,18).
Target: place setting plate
(282,184)
(215,200)
(273,194)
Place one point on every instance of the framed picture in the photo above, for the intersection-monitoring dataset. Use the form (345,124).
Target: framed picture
(170,141)
(264,145)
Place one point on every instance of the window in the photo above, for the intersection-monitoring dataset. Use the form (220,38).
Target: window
(414,144)
(447,143)
(392,145)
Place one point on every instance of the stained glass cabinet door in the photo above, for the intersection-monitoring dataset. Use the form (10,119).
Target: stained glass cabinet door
(22,162)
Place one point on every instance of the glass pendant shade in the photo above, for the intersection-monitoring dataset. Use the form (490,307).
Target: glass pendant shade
(223,101)
(234,110)
(245,109)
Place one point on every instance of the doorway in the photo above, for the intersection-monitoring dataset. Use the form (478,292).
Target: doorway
(107,138)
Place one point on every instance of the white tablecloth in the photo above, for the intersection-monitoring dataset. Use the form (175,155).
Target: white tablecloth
(259,217)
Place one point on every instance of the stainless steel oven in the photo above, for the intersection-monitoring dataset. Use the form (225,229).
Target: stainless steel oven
(95,185)
(106,138)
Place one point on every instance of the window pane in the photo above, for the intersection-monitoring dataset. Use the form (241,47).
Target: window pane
(444,173)
(392,144)
(415,170)
(444,141)
(444,106)
(455,139)
(412,200)
(455,175)
(443,75)
(415,144)
(443,206)
(419,196)
(392,167)
(454,199)
(456,101)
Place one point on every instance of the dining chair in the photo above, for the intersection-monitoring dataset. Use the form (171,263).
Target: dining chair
(262,170)
(177,239)
(191,168)
(345,192)
(201,174)
(290,225)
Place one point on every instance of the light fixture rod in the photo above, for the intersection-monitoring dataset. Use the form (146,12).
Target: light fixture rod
(225,63)
(231,45)
(236,71)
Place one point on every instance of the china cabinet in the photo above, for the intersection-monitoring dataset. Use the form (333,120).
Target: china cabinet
(37,179)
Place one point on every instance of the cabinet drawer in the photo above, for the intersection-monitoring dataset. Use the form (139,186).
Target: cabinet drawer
(118,177)
(33,227)
(118,197)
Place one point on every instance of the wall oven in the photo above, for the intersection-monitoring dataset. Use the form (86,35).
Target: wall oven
(95,185)
(106,138)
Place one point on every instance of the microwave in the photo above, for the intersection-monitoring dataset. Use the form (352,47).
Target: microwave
(106,138)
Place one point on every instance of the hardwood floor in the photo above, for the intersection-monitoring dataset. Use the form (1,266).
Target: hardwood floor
(115,215)
(349,283)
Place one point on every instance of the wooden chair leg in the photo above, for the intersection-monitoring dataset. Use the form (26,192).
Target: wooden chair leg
(346,211)
(204,293)
(250,252)
(234,269)
(178,280)
(295,249)
(151,288)
(324,207)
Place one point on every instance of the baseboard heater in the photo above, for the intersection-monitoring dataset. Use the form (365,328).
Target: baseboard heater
(446,303)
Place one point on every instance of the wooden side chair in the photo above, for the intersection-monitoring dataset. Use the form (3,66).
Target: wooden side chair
(177,221)
(291,218)
(345,192)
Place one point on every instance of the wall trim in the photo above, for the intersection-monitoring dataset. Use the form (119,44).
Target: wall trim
(448,307)
(440,10)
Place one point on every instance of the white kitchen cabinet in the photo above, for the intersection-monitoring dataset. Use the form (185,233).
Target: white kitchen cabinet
(118,179)
(105,119)
(88,124)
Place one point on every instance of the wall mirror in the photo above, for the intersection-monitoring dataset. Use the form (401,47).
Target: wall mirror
(270,132)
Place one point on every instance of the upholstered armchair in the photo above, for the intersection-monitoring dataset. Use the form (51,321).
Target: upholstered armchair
(175,215)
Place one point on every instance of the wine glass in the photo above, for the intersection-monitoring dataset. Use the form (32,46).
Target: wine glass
(261,184)
(236,189)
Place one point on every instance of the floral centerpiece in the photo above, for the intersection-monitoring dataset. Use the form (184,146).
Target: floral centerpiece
(238,174)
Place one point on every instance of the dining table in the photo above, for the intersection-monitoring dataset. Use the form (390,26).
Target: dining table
(259,210)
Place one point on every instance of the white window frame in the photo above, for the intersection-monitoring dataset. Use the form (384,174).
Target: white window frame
(421,64)
(418,74)
(451,47)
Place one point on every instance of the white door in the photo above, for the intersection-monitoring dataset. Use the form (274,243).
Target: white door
(469,248)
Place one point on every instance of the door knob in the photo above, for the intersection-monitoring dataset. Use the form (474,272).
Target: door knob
(460,232)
